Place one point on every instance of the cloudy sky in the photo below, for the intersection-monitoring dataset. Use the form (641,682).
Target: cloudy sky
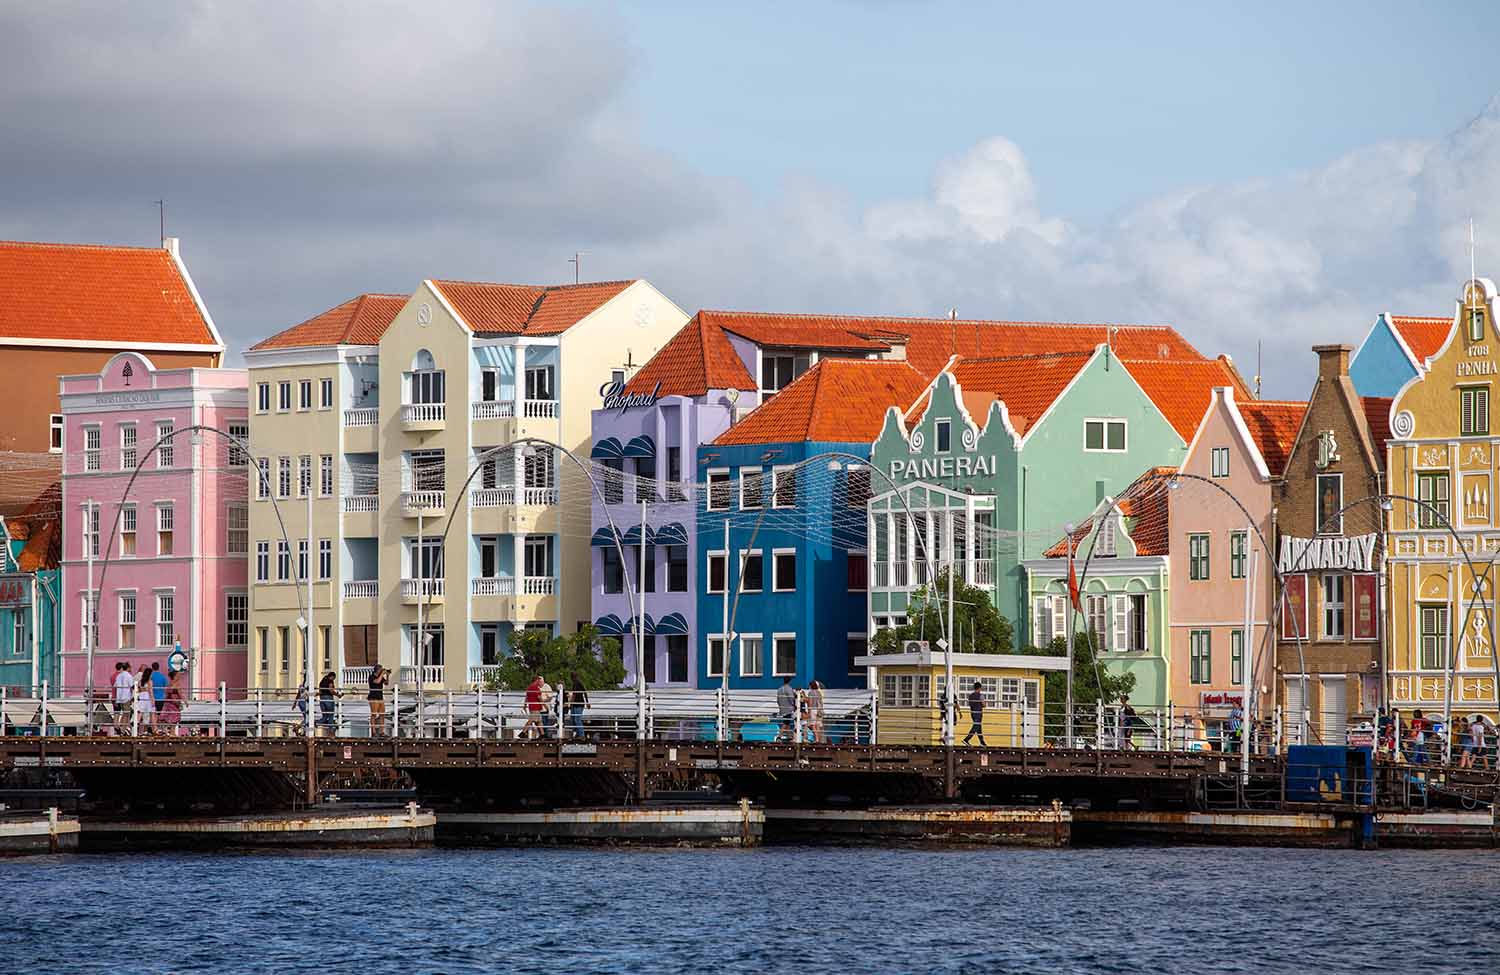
(1276,173)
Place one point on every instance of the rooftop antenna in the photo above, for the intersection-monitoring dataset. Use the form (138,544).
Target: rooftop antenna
(1257,368)
(577,263)
(161,221)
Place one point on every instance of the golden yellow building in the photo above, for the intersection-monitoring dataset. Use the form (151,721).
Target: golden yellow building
(912,686)
(1444,452)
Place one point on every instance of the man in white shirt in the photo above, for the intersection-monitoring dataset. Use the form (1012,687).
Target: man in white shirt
(124,686)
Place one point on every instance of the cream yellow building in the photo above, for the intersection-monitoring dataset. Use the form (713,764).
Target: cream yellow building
(422,386)
(1444,451)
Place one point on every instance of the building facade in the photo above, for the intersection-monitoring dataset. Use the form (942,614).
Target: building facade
(1395,351)
(421,392)
(1329,554)
(174,535)
(30,584)
(1240,449)
(1444,452)
(67,309)
(781,527)
(1122,571)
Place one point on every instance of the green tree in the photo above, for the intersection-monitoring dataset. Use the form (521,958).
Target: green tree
(1091,684)
(980,627)
(597,661)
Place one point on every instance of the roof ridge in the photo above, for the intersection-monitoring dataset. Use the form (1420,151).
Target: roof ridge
(536,287)
(940,321)
(1061,354)
(98,247)
(1275,402)
(1423,318)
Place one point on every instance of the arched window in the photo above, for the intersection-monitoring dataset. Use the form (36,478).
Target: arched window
(425,383)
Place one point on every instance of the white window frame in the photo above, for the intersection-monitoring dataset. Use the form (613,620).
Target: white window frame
(777,473)
(1334,610)
(262,478)
(284,396)
(304,395)
(283,560)
(1105,423)
(93,456)
(325,476)
(166,617)
(90,617)
(325,393)
(942,429)
(230,620)
(129,609)
(1219,461)
(760,669)
(55,432)
(262,560)
(129,446)
(760,477)
(237,455)
(325,559)
(708,572)
(708,662)
(776,670)
(236,512)
(166,457)
(166,522)
(304,475)
(129,523)
(262,398)
(776,580)
(712,477)
(283,477)
(303,554)
(745,554)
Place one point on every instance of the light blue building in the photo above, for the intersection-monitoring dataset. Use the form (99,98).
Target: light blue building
(30,583)
(788,581)
(1396,350)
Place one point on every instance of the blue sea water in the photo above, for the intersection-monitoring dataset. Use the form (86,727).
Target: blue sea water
(779,909)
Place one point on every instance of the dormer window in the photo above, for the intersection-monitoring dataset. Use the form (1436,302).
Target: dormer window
(778,371)
(1476,324)
(943,435)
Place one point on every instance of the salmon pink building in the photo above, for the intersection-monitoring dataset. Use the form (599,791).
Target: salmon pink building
(176,539)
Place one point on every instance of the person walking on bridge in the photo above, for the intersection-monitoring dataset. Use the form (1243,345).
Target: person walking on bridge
(976,715)
(577,700)
(786,706)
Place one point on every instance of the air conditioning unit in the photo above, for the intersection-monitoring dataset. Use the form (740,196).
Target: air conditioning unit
(914,646)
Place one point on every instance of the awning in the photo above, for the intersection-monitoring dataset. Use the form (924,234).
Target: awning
(642,446)
(609,625)
(604,536)
(606,449)
(672,533)
(633,535)
(673,624)
(650,625)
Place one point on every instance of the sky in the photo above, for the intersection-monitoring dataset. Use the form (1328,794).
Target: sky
(1274,174)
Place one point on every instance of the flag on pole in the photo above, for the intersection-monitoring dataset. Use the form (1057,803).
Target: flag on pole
(1073,595)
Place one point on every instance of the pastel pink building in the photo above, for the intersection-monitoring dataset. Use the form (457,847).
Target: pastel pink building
(176,539)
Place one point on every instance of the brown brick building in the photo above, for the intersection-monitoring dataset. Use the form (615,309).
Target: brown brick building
(1330,552)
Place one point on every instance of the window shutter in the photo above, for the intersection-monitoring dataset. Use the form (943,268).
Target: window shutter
(1059,617)
(1466,407)
(1121,636)
(1040,617)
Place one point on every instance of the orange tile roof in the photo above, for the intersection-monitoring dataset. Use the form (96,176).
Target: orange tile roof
(102,295)
(1183,389)
(361,320)
(1144,505)
(1378,416)
(698,358)
(522,309)
(836,401)
(1423,335)
(1026,384)
(1273,425)
(38,525)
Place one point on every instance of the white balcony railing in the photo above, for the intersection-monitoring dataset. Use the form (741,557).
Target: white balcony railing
(424,412)
(361,503)
(495,497)
(492,586)
(539,585)
(414,501)
(361,589)
(494,409)
(478,673)
(540,409)
(541,496)
(906,575)
(355,676)
(421,588)
(364,416)
(431,674)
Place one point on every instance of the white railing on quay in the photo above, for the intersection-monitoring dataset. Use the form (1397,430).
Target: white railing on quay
(364,416)
(361,589)
(424,412)
(494,409)
(492,586)
(361,503)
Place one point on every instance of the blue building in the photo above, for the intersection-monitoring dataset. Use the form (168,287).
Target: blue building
(794,593)
(1396,350)
(30,585)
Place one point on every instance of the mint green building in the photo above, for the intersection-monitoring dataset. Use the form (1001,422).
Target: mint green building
(1121,567)
(1000,455)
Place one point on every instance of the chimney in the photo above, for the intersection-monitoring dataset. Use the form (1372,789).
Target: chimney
(169,244)
(1333,360)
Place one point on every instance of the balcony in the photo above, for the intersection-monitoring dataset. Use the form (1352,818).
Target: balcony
(479,673)
(357,504)
(492,586)
(364,416)
(415,592)
(494,409)
(539,409)
(539,585)
(424,417)
(433,675)
(361,589)
(430,504)
(539,495)
(355,676)
(495,497)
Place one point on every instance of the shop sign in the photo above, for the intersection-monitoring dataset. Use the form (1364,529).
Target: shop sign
(615,397)
(931,468)
(1221,700)
(1352,554)
(15,591)
(127,399)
